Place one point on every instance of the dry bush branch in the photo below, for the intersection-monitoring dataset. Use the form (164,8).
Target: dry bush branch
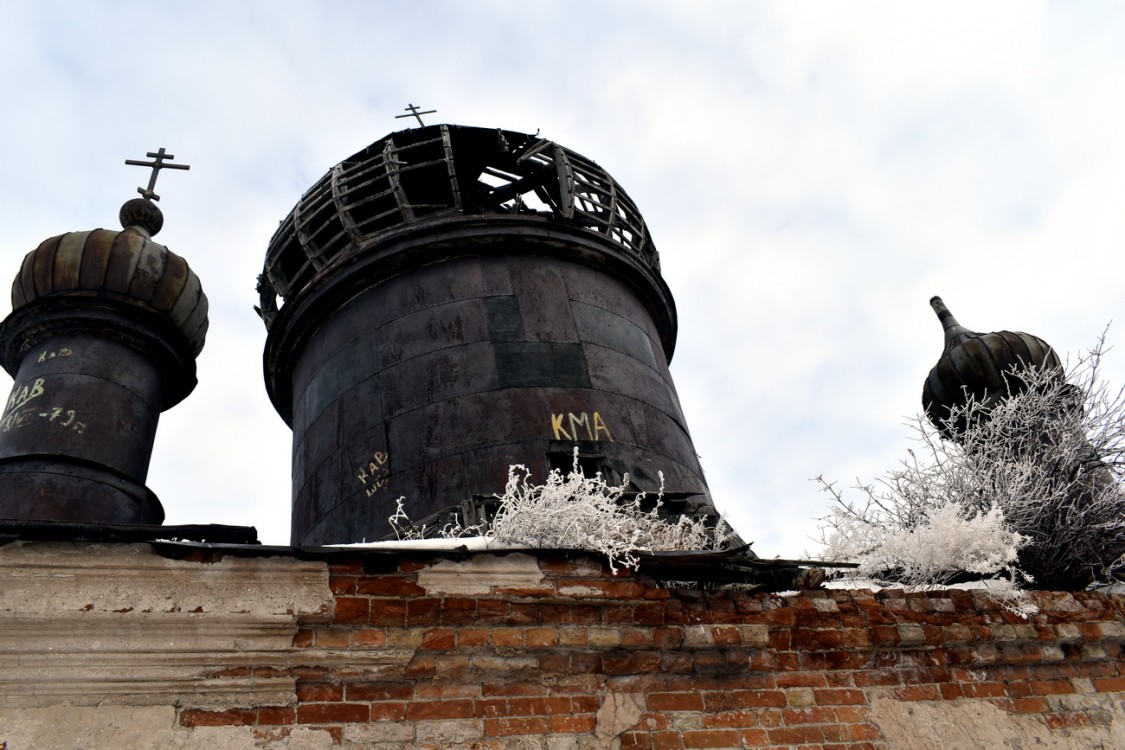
(1033,490)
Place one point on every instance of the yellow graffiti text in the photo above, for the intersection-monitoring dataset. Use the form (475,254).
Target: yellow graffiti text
(581,426)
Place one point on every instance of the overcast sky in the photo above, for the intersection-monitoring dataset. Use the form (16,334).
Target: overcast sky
(811,173)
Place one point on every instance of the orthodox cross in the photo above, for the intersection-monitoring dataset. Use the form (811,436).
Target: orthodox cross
(412,111)
(157,164)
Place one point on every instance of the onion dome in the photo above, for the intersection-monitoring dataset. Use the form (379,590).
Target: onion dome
(977,365)
(124,266)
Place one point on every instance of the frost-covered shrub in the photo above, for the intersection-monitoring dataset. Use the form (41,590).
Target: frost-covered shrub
(1032,490)
(579,512)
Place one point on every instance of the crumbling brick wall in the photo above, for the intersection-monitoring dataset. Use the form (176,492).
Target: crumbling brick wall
(116,646)
(559,653)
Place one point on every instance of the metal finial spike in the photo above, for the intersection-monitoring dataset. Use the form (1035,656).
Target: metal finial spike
(948,322)
(158,163)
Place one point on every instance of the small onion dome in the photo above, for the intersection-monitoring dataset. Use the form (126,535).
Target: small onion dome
(978,365)
(126,266)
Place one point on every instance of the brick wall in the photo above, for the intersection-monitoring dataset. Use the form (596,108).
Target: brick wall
(545,651)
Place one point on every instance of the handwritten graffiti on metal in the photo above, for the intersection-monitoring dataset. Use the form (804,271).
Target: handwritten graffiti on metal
(374,475)
(62,352)
(22,394)
(581,426)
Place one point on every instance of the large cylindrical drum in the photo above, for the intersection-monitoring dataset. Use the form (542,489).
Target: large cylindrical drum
(422,363)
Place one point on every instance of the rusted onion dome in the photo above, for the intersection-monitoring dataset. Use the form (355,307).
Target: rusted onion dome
(126,266)
(980,365)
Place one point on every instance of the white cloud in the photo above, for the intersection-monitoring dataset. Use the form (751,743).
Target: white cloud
(812,173)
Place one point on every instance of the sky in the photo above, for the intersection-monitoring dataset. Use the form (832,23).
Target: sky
(811,172)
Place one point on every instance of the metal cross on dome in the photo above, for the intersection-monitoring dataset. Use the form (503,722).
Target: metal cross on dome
(413,111)
(158,163)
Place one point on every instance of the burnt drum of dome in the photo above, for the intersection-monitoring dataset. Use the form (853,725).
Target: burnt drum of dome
(450,301)
(102,338)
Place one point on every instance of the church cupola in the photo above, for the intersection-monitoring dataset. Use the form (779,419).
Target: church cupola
(102,338)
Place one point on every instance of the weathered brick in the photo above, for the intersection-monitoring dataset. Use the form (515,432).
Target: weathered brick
(795,735)
(712,738)
(308,692)
(675,702)
(509,726)
(439,639)
(191,717)
(379,691)
(439,709)
(580,724)
(351,609)
(333,713)
(388,711)
(397,586)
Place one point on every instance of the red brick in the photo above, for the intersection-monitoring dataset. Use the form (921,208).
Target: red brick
(404,586)
(342,585)
(421,611)
(352,609)
(388,613)
(492,612)
(439,639)
(585,703)
(303,638)
(951,691)
(675,702)
(420,667)
(538,706)
(801,679)
(984,689)
(277,715)
(380,691)
(440,709)
(234,717)
(860,732)
(1051,687)
(795,735)
(369,638)
(667,741)
(388,711)
(712,738)
(1027,705)
(470,637)
(1110,684)
(918,693)
(634,741)
(839,697)
(812,715)
(510,726)
(309,692)
(542,637)
(432,690)
(333,713)
(513,688)
(333,638)
(584,724)
(732,719)
(760,698)
(754,737)
(508,637)
(648,614)
(639,662)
